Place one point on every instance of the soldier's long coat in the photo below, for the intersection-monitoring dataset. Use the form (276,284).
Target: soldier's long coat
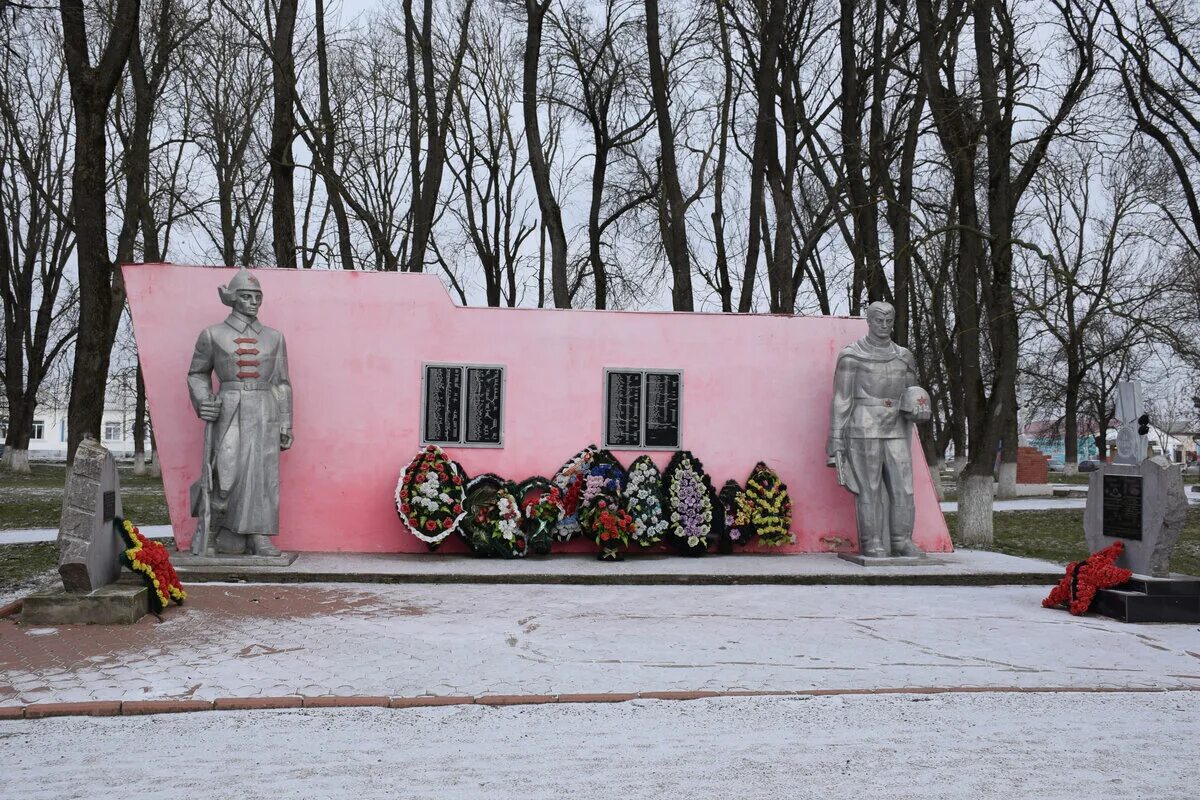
(250,362)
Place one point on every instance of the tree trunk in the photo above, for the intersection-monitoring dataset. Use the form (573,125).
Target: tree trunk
(868,273)
(676,243)
(550,211)
(724,284)
(1071,424)
(139,424)
(283,131)
(599,273)
(328,144)
(765,80)
(975,510)
(101,291)
(16,443)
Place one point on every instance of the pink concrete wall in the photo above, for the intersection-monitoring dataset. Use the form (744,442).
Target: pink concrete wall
(755,388)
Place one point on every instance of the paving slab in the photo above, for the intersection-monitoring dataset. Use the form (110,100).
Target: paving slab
(462,640)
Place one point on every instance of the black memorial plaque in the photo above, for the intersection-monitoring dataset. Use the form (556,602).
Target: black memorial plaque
(662,409)
(443,403)
(1123,506)
(110,506)
(484,398)
(623,427)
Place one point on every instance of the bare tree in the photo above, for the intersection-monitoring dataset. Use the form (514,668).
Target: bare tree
(226,80)
(486,159)
(1103,276)
(603,54)
(674,207)
(101,290)
(36,235)
(283,130)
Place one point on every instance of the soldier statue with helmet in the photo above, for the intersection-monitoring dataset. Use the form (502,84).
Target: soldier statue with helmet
(875,402)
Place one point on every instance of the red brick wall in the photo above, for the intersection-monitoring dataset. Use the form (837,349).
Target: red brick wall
(1032,465)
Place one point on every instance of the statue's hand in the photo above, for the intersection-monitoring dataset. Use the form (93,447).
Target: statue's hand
(285,438)
(210,409)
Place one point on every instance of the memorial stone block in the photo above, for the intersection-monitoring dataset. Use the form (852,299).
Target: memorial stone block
(88,546)
(1142,505)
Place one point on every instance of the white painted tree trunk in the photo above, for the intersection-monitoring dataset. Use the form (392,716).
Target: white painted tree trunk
(975,511)
(139,464)
(1070,468)
(15,461)
(154,471)
(1007,480)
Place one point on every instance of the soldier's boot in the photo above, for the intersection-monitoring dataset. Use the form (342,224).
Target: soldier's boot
(260,545)
(903,516)
(229,543)
(871,542)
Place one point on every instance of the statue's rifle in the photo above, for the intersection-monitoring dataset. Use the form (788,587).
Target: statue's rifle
(204,527)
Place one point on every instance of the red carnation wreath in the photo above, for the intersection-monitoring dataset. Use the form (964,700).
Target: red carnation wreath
(152,561)
(1084,578)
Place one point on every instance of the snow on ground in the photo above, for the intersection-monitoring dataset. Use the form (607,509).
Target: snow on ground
(939,747)
(354,639)
(30,535)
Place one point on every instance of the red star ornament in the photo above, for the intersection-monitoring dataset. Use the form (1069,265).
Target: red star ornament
(1078,587)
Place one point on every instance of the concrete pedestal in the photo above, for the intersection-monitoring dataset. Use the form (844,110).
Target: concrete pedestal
(187,560)
(1148,599)
(115,604)
(889,561)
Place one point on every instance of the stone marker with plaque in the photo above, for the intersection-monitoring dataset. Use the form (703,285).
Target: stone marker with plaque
(89,551)
(1142,503)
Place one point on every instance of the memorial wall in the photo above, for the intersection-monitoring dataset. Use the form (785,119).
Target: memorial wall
(382,364)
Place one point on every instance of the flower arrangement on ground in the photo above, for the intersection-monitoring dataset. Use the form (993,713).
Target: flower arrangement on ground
(643,500)
(541,507)
(606,476)
(739,527)
(694,514)
(609,525)
(571,480)
(152,561)
(430,496)
(492,527)
(771,506)
(1078,587)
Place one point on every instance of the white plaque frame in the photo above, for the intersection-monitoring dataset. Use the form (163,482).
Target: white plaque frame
(462,403)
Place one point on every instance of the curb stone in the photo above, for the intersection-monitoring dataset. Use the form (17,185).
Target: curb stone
(103,708)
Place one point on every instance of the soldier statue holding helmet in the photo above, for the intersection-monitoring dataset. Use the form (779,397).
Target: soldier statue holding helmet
(248,422)
(875,402)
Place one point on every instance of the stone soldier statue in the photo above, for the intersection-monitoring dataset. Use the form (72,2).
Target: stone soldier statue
(249,421)
(875,401)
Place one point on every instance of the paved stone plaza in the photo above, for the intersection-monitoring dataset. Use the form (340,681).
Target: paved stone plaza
(278,641)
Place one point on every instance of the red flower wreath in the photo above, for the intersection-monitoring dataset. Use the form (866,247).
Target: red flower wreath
(152,561)
(1098,571)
